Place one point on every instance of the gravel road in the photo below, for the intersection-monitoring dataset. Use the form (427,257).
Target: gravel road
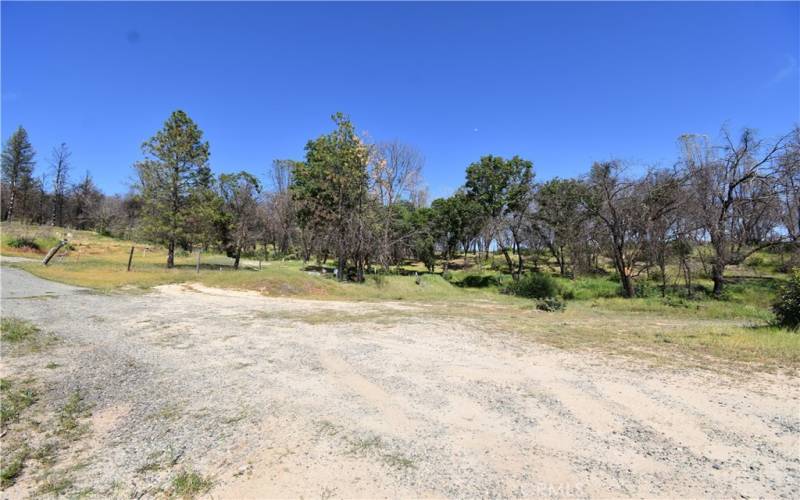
(286,398)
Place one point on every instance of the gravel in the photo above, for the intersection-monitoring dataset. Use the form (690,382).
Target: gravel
(238,388)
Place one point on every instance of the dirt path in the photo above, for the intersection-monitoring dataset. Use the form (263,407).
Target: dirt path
(288,398)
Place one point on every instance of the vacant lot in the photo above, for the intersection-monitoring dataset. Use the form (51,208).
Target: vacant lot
(189,389)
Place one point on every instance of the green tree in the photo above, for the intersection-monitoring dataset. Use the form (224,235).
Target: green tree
(175,170)
(560,218)
(331,191)
(239,192)
(17,167)
(503,188)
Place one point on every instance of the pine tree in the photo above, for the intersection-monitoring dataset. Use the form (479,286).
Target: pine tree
(174,169)
(17,167)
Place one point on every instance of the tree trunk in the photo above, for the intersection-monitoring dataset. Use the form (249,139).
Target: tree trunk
(237,258)
(340,268)
(717,276)
(171,254)
(627,285)
(11,200)
(625,279)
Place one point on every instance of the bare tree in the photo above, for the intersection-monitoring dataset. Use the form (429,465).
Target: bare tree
(59,164)
(278,207)
(396,173)
(617,203)
(734,194)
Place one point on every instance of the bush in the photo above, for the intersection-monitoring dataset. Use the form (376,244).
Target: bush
(643,289)
(478,281)
(23,242)
(550,304)
(378,279)
(568,294)
(787,305)
(447,275)
(534,286)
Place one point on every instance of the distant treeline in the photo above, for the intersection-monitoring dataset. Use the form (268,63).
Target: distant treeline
(363,205)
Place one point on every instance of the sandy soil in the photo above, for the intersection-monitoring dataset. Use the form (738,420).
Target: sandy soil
(288,398)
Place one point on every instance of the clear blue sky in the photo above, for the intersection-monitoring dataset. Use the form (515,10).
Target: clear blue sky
(560,84)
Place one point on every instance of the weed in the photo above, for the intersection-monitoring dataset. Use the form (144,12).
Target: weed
(17,330)
(398,461)
(55,484)
(69,424)
(46,453)
(52,365)
(362,445)
(13,400)
(23,242)
(190,484)
(13,464)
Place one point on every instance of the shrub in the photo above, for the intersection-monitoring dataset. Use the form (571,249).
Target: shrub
(378,279)
(643,289)
(534,286)
(23,242)
(478,281)
(755,261)
(447,275)
(550,304)
(787,305)
(568,294)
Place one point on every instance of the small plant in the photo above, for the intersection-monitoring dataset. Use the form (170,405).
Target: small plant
(787,305)
(378,279)
(23,242)
(55,484)
(568,294)
(68,419)
(13,400)
(190,484)
(550,304)
(447,276)
(13,463)
(17,330)
(534,286)
(643,289)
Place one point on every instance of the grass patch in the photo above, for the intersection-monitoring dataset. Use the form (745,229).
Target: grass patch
(56,483)
(189,484)
(14,399)
(17,330)
(19,336)
(69,425)
(13,464)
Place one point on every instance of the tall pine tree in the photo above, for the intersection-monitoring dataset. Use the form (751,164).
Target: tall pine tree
(175,168)
(17,167)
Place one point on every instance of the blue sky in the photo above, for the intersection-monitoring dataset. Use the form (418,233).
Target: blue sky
(560,84)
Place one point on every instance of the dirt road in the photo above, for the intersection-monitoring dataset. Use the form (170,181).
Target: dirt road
(287,398)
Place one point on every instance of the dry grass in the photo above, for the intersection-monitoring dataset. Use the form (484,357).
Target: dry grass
(733,330)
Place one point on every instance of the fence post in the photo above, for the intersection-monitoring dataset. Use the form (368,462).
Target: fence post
(197,267)
(53,251)
(130,258)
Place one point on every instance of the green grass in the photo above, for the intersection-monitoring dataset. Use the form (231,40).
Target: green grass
(12,465)
(17,330)
(189,484)
(69,425)
(15,397)
(55,484)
